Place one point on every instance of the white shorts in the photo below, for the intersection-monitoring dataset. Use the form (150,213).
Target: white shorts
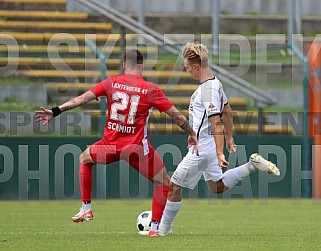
(191,168)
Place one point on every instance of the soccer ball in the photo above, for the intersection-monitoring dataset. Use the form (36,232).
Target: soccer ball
(143,221)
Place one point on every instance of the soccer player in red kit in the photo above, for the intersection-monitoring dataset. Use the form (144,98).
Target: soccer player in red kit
(130,99)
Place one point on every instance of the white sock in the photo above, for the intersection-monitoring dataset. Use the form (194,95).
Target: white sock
(154,226)
(86,207)
(233,176)
(170,211)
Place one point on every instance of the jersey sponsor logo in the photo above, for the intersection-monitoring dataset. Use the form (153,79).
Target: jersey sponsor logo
(211,107)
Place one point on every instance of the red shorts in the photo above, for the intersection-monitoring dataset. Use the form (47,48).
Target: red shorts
(147,165)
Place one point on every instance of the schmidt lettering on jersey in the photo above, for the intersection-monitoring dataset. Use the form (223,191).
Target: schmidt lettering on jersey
(121,128)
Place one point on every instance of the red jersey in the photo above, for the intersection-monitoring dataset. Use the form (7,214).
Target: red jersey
(130,99)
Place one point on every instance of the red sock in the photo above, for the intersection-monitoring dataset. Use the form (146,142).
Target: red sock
(86,181)
(159,202)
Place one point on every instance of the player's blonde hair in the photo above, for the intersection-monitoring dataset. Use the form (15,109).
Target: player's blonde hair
(195,53)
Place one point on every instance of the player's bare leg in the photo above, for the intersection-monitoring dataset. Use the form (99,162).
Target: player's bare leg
(216,187)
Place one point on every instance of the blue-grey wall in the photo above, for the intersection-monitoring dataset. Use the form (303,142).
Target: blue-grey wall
(309,7)
(47,168)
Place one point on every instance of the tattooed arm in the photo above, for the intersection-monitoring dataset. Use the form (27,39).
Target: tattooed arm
(46,115)
(77,101)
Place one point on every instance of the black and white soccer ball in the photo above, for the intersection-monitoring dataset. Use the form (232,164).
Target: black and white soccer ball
(143,221)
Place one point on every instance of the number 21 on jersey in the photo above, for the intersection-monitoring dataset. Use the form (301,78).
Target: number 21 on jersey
(121,101)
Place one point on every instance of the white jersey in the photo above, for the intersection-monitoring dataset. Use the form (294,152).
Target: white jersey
(208,100)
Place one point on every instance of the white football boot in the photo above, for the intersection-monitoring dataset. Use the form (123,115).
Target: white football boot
(264,165)
(83,216)
(165,229)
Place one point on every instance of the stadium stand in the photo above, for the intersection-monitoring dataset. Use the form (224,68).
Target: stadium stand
(38,41)
(34,15)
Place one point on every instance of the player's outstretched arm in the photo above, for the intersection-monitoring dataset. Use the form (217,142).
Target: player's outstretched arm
(46,115)
(183,123)
(77,101)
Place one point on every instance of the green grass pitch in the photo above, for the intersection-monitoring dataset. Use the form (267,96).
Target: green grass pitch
(202,224)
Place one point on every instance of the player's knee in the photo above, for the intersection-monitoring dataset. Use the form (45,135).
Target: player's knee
(85,158)
(161,178)
(81,158)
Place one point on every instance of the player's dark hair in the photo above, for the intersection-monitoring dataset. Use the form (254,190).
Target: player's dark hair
(133,57)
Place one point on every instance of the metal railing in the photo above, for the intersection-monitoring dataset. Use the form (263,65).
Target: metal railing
(103,75)
(260,97)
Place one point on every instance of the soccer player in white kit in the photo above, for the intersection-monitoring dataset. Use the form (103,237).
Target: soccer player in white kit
(208,110)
